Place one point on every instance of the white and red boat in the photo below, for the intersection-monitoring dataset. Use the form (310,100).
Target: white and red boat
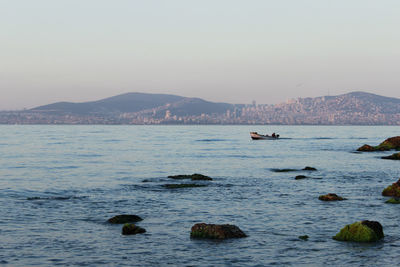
(257,136)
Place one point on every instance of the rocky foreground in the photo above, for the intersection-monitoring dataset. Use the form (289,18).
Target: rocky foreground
(361,231)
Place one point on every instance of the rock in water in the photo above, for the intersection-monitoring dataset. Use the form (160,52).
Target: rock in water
(308,168)
(393,200)
(298,177)
(125,218)
(392,190)
(366,148)
(131,229)
(364,231)
(197,176)
(175,186)
(216,231)
(395,156)
(388,144)
(330,197)
(304,237)
(194,177)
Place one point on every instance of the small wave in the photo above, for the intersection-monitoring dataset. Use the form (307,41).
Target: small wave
(284,170)
(112,140)
(90,155)
(211,140)
(64,167)
(240,156)
(56,198)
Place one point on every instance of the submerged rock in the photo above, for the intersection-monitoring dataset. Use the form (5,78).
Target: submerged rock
(125,218)
(364,231)
(131,229)
(195,176)
(308,168)
(304,237)
(298,177)
(216,231)
(388,144)
(392,190)
(330,197)
(173,186)
(395,156)
(393,200)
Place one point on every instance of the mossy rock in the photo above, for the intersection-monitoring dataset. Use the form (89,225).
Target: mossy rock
(194,177)
(366,148)
(308,168)
(331,197)
(216,231)
(131,229)
(175,186)
(364,231)
(392,190)
(299,177)
(388,144)
(125,218)
(393,200)
(395,156)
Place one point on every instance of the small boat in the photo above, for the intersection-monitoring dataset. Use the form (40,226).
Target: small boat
(256,136)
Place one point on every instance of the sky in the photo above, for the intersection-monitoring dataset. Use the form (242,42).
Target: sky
(219,50)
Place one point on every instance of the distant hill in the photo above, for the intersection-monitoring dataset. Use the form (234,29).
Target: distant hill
(355,108)
(136,102)
(352,108)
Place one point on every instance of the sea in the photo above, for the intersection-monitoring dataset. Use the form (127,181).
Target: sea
(60,184)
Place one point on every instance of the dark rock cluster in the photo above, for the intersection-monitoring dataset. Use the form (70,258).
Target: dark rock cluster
(216,231)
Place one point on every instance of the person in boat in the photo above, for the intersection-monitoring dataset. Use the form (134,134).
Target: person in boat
(273,135)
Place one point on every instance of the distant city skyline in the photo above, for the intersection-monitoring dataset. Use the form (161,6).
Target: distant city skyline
(223,51)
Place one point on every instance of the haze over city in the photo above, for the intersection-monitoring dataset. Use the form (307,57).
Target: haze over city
(223,51)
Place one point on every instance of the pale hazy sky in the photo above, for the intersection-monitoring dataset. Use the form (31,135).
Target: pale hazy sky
(220,50)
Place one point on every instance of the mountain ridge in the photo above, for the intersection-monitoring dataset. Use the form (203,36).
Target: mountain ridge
(354,108)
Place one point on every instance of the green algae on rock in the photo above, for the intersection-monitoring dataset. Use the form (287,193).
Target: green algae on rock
(395,156)
(366,148)
(364,231)
(174,186)
(131,229)
(216,231)
(393,200)
(392,190)
(124,218)
(331,197)
(388,144)
(194,177)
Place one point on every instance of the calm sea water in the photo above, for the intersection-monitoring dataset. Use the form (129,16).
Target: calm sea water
(59,185)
